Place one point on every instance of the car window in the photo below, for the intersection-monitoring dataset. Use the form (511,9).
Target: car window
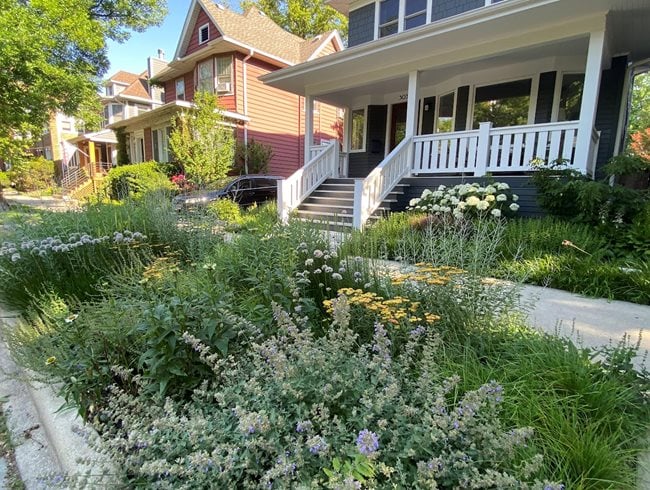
(266,183)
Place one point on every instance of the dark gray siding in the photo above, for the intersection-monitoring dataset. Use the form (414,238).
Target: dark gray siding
(519,185)
(447,8)
(361,25)
(360,164)
(545,97)
(609,107)
(462,101)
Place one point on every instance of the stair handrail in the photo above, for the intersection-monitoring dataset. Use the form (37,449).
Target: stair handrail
(293,190)
(371,191)
(73,178)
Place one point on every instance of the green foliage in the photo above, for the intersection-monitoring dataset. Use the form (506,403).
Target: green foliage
(290,406)
(225,210)
(122,153)
(135,180)
(202,143)
(567,193)
(252,158)
(32,174)
(5,180)
(66,59)
(625,164)
(381,239)
(305,19)
(640,108)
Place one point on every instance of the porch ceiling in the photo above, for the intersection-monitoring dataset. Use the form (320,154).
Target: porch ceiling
(508,32)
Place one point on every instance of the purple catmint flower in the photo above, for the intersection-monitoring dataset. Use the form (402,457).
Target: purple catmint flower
(367,442)
(317,445)
(416,332)
(303,426)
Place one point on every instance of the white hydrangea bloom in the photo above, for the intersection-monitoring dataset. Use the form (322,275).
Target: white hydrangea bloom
(502,197)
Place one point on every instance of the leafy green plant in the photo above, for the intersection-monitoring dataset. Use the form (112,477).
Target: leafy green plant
(252,158)
(5,181)
(135,180)
(225,210)
(32,174)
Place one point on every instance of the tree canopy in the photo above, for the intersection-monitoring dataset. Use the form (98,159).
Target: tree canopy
(304,18)
(640,104)
(53,55)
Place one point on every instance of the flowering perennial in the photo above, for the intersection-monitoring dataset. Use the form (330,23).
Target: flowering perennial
(391,311)
(465,200)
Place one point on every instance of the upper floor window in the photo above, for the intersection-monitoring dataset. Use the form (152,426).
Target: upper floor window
(205,79)
(109,91)
(180,89)
(224,75)
(204,33)
(117,111)
(400,15)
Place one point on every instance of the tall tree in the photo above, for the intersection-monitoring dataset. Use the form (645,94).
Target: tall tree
(640,104)
(202,142)
(304,18)
(52,56)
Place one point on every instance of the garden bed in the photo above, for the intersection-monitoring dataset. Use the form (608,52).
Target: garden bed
(276,360)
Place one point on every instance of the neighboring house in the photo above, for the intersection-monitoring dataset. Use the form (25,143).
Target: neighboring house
(126,95)
(224,52)
(462,88)
(59,129)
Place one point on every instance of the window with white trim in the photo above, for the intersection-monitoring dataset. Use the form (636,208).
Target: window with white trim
(224,75)
(204,33)
(160,139)
(358,130)
(205,76)
(400,15)
(180,89)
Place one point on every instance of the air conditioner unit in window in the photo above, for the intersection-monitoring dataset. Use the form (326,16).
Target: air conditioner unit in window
(223,87)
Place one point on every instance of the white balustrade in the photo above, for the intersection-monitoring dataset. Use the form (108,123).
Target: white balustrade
(295,189)
(487,149)
(371,191)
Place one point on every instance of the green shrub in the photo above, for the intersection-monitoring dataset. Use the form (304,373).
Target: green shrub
(569,194)
(32,174)
(253,158)
(136,179)
(225,210)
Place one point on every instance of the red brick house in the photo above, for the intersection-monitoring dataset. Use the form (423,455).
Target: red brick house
(225,52)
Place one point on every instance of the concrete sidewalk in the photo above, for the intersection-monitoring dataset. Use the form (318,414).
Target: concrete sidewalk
(48,203)
(591,322)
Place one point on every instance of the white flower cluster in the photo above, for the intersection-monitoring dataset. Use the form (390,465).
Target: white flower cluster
(75,240)
(467,198)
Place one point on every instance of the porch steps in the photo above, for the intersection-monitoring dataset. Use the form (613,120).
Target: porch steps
(332,204)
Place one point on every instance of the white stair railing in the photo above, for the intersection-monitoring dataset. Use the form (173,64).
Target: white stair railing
(293,190)
(371,191)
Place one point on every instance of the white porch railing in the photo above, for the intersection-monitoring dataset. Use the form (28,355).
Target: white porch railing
(370,192)
(494,150)
(294,189)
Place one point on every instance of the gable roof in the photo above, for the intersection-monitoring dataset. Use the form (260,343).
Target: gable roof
(254,30)
(137,85)
(124,77)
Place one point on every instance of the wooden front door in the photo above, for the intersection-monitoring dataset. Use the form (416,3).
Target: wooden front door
(397,124)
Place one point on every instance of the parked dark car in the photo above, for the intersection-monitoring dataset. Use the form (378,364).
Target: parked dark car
(244,190)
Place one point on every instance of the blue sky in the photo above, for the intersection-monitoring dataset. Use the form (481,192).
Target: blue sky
(132,55)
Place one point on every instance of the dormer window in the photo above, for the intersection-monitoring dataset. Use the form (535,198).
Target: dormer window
(204,33)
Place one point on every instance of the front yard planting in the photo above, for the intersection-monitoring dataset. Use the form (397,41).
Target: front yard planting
(266,357)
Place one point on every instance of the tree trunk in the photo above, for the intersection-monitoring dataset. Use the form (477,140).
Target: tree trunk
(4,205)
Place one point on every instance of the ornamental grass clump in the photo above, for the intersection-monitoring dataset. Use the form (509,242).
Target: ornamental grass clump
(467,200)
(300,411)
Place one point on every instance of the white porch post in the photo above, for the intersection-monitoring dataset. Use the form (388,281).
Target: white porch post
(347,136)
(589,103)
(309,126)
(412,103)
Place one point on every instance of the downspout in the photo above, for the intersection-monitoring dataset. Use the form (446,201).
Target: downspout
(251,52)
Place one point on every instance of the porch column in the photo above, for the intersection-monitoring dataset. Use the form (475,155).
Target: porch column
(412,102)
(589,103)
(309,126)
